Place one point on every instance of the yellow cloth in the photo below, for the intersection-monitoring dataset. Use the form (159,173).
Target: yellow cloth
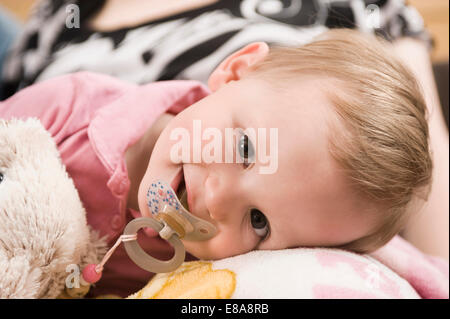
(193,280)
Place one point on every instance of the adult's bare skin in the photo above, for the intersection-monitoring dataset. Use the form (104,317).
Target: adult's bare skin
(429,229)
(117,14)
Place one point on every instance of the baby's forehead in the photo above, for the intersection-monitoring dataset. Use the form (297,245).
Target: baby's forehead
(311,98)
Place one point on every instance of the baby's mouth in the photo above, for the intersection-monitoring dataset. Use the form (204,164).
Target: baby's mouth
(182,193)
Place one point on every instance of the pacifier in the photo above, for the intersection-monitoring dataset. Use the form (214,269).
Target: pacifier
(170,219)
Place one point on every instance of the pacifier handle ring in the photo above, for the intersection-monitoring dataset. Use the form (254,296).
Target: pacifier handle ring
(145,261)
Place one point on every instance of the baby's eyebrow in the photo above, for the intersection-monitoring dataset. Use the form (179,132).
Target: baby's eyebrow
(254,121)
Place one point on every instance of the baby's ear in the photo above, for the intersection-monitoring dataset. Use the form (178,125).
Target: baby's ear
(235,65)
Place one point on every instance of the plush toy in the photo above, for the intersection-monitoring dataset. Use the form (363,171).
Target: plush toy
(44,237)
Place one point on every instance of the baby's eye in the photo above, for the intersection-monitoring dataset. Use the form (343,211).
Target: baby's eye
(259,223)
(246,150)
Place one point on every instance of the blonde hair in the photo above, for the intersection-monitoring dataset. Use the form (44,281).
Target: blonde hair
(384,148)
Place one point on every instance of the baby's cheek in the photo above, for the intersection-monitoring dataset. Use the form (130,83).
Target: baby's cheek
(143,208)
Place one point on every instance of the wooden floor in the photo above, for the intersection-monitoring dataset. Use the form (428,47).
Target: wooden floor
(19,8)
(434,12)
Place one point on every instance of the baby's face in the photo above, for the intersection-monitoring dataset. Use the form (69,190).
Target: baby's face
(305,201)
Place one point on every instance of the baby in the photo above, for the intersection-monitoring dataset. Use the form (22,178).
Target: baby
(352,148)
(351,144)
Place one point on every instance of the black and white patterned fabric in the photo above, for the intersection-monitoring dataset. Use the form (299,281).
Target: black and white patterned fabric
(191,44)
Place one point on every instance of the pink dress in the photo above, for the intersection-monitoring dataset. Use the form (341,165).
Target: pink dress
(93,119)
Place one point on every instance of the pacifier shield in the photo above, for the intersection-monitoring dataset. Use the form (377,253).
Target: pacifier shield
(161,198)
(159,195)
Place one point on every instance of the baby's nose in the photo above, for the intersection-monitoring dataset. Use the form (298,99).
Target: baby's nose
(222,197)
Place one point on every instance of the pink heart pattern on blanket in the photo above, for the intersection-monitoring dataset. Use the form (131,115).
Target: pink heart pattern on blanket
(366,269)
(428,275)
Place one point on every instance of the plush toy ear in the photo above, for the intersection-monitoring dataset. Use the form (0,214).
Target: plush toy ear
(19,279)
(43,227)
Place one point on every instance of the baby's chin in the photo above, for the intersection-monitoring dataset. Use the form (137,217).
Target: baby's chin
(194,250)
(206,251)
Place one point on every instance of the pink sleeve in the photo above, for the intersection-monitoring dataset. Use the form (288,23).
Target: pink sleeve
(64,104)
